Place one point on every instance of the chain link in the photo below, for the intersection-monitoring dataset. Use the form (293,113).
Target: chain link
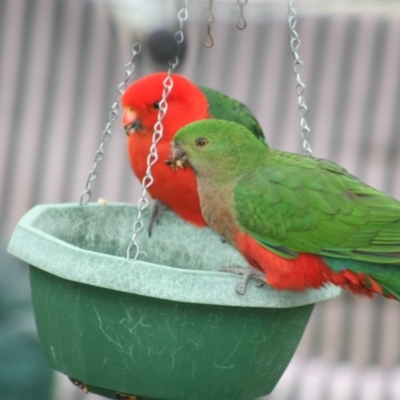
(210,19)
(152,158)
(300,86)
(112,116)
(241,23)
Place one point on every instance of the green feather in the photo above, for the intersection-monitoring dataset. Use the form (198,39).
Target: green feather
(290,203)
(228,109)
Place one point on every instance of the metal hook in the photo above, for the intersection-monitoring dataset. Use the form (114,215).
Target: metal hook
(241,23)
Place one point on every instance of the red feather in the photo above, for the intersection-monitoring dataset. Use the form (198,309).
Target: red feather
(186,103)
(307,271)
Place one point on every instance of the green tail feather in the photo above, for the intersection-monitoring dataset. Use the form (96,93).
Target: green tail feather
(386,275)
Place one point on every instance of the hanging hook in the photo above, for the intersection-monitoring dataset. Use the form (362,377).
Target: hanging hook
(210,19)
(241,23)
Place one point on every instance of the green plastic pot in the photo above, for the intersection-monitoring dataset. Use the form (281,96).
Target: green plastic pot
(169,328)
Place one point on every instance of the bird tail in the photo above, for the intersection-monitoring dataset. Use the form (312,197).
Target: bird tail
(390,292)
(365,285)
(387,277)
(367,279)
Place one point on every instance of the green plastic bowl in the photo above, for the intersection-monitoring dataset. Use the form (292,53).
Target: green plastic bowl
(168,328)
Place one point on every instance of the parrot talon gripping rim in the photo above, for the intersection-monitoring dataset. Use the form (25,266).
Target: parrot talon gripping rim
(247,273)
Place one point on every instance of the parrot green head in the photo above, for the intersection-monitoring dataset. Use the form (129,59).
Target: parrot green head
(211,146)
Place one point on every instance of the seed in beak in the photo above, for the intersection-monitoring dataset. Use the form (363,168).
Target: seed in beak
(135,126)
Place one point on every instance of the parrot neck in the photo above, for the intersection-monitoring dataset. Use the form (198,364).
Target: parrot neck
(217,208)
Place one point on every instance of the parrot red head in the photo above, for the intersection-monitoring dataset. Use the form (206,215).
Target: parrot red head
(140,102)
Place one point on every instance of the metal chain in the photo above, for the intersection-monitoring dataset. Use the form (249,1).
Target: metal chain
(210,19)
(152,158)
(300,86)
(241,23)
(112,116)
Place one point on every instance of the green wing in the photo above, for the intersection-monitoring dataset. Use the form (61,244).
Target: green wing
(293,204)
(228,109)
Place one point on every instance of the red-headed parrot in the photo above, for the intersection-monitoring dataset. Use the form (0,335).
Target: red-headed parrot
(186,103)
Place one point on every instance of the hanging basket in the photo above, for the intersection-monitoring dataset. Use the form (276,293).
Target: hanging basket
(169,328)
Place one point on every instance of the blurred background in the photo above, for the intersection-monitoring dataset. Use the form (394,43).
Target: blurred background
(60,64)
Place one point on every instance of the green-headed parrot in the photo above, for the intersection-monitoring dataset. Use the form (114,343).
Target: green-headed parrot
(300,222)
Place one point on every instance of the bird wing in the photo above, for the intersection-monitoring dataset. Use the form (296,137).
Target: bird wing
(293,204)
(229,109)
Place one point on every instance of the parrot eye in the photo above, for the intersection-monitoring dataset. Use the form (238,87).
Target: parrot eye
(156,105)
(201,142)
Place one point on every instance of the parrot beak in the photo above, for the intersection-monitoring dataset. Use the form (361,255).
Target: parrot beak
(177,157)
(131,121)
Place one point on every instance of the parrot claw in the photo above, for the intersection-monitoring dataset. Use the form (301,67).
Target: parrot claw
(157,211)
(247,274)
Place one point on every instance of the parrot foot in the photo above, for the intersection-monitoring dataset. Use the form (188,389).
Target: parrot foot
(247,274)
(157,211)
